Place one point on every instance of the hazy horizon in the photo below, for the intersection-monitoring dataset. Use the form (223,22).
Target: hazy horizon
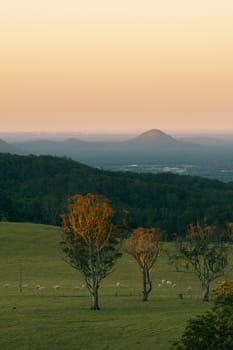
(120,131)
(110,134)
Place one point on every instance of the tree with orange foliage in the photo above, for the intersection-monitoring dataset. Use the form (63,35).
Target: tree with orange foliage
(88,239)
(205,249)
(145,245)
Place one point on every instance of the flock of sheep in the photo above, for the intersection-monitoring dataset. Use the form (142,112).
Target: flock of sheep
(57,287)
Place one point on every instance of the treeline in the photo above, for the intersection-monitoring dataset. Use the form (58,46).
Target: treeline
(35,189)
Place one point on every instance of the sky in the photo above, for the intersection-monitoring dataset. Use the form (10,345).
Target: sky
(115,65)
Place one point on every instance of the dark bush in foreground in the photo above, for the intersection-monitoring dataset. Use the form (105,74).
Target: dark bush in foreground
(213,330)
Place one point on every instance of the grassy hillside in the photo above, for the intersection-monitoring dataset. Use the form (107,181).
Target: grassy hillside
(62,320)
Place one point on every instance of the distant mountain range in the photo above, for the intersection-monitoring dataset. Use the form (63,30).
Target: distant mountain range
(147,148)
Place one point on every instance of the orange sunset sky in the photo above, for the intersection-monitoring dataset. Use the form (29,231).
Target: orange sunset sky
(116,65)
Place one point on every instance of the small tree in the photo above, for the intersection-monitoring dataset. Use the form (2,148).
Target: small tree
(144,245)
(205,250)
(88,240)
(214,329)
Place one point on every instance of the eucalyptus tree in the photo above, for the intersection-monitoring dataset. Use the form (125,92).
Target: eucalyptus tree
(205,250)
(89,242)
(145,245)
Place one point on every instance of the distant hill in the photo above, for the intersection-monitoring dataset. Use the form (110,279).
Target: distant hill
(155,136)
(50,146)
(209,141)
(8,148)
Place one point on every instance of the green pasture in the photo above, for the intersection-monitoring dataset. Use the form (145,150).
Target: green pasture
(59,318)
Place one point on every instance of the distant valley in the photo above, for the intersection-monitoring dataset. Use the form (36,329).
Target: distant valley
(153,151)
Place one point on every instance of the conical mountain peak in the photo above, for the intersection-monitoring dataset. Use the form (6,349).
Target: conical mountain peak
(155,136)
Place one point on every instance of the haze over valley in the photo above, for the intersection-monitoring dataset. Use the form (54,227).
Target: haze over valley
(151,151)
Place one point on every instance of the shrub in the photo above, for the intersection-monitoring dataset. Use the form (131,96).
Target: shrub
(214,329)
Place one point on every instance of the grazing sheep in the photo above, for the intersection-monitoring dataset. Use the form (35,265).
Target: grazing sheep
(56,287)
(39,287)
(159,285)
(169,283)
(163,281)
(25,285)
(118,284)
(174,285)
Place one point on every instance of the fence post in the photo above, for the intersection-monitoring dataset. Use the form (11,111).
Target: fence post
(20,277)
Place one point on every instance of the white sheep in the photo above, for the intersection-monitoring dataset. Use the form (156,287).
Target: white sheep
(169,283)
(39,287)
(56,287)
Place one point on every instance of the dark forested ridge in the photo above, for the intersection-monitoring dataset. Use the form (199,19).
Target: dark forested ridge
(35,189)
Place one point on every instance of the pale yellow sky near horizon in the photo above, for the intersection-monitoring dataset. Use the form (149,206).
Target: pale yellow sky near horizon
(116,65)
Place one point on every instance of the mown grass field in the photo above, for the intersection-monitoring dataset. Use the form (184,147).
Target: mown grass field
(62,320)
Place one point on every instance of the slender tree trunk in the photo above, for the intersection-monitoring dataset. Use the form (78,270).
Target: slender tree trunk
(206,291)
(145,295)
(95,299)
(146,282)
(149,282)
